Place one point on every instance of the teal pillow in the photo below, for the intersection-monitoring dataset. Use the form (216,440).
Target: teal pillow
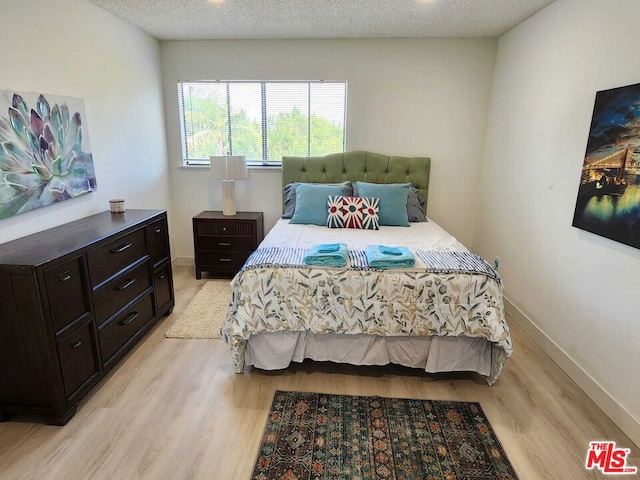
(415,205)
(290,196)
(311,202)
(393,201)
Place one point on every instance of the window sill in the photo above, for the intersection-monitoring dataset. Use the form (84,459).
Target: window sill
(249,167)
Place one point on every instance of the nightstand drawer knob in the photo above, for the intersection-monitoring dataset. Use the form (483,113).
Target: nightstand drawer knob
(224,229)
(76,344)
(157,229)
(224,244)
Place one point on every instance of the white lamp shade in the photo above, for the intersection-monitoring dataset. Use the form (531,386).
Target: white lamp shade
(228,167)
(237,167)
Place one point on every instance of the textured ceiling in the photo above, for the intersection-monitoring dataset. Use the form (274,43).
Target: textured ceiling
(281,19)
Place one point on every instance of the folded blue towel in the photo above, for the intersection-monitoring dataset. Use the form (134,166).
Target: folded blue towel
(390,250)
(327,255)
(381,256)
(328,247)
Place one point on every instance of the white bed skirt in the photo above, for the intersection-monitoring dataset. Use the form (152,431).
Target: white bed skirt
(276,350)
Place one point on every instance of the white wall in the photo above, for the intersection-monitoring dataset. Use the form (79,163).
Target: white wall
(579,289)
(74,48)
(426,97)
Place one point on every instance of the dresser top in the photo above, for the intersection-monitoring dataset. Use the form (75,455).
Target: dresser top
(42,247)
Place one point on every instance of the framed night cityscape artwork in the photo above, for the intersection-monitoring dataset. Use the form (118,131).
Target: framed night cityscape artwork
(608,201)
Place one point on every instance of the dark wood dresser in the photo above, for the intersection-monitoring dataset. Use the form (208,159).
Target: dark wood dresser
(73,300)
(223,243)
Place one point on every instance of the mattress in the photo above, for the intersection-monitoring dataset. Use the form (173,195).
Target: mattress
(438,321)
(421,235)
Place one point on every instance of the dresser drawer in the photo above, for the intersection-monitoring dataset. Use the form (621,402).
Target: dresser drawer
(77,358)
(222,259)
(158,241)
(225,228)
(121,290)
(106,261)
(162,280)
(68,299)
(221,243)
(115,335)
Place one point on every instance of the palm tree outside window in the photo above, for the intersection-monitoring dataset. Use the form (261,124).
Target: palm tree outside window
(262,121)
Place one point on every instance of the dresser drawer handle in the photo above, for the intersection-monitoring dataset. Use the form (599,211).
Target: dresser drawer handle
(121,248)
(162,276)
(132,316)
(76,344)
(224,244)
(63,277)
(127,284)
(225,259)
(157,229)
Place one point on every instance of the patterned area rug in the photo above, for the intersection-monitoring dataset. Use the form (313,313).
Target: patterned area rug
(314,436)
(204,315)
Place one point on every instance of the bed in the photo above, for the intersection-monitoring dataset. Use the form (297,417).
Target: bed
(441,319)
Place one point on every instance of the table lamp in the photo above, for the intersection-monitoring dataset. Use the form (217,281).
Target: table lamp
(228,168)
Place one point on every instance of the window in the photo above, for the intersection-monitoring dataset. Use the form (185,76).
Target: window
(263,121)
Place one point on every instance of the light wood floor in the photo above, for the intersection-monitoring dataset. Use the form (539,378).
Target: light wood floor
(174,409)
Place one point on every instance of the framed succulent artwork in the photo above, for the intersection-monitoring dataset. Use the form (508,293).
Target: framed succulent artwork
(45,155)
(608,201)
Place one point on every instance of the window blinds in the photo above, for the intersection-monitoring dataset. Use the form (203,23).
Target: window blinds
(263,121)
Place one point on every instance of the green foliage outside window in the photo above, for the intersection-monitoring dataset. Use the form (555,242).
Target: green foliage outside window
(206,121)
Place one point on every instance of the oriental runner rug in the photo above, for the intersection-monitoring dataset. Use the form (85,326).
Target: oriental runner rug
(317,436)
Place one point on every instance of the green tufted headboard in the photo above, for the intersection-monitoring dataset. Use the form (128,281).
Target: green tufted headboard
(358,166)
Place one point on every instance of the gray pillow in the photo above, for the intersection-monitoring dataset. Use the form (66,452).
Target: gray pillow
(290,196)
(289,200)
(415,204)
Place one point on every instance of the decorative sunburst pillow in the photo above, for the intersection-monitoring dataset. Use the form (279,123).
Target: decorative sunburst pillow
(353,212)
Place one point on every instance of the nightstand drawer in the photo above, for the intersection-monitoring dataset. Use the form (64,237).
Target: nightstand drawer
(222,259)
(115,335)
(225,228)
(206,242)
(120,291)
(223,243)
(106,261)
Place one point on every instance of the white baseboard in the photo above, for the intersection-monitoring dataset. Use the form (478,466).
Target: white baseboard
(616,412)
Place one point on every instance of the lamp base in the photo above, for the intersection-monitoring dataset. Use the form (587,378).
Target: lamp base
(228,198)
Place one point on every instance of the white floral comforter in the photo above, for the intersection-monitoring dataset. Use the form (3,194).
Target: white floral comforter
(390,303)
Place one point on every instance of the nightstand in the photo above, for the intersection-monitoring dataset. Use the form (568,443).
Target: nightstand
(223,243)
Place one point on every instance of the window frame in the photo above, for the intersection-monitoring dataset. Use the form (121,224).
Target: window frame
(264,162)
